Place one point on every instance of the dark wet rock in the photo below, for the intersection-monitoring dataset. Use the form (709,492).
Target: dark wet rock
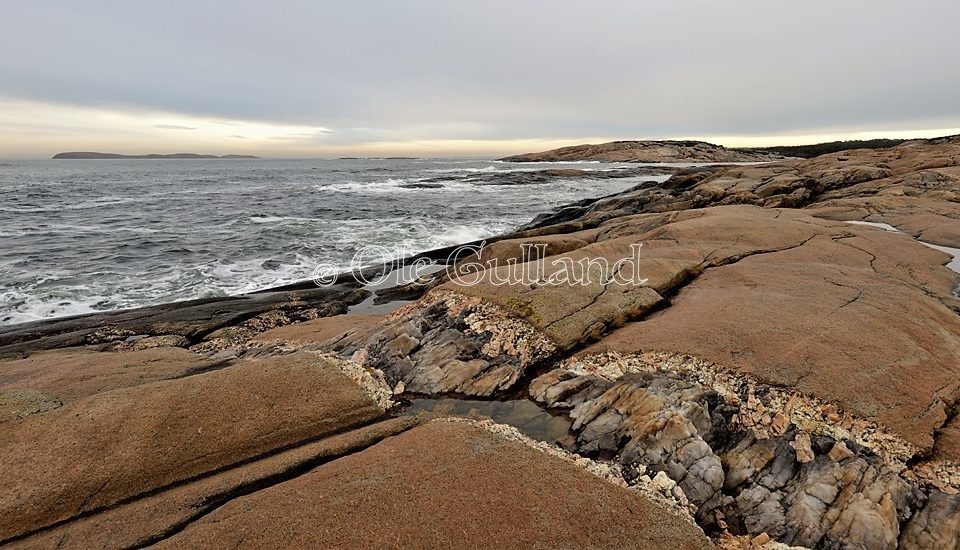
(533,177)
(423,185)
(193,320)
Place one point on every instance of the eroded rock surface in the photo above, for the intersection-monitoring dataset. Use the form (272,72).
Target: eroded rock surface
(745,467)
(448,342)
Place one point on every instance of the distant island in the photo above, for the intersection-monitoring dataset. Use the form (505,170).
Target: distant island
(92,155)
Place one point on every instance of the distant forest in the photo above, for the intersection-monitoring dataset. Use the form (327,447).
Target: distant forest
(810,151)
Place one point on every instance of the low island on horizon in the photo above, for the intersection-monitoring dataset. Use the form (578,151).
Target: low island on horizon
(94,155)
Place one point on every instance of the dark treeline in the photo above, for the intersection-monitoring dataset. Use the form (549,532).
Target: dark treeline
(810,151)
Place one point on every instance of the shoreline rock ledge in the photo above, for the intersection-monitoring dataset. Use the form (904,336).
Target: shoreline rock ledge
(777,376)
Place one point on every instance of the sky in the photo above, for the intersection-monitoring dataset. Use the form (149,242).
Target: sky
(295,79)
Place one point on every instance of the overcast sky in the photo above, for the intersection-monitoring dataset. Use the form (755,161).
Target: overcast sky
(293,79)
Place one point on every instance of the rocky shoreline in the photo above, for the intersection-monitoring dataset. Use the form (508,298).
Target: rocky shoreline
(780,377)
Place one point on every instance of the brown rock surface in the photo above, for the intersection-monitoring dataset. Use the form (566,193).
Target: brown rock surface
(852,316)
(318,331)
(111,446)
(431,488)
(155,517)
(74,373)
(673,250)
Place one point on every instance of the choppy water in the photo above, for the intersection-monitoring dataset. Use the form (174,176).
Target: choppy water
(78,235)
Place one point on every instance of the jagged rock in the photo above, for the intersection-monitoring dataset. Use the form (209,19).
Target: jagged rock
(448,342)
(658,422)
(800,489)
(801,444)
(936,525)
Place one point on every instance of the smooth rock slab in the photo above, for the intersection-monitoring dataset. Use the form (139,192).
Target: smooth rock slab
(443,485)
(152,518)
(115,445)
(74,373)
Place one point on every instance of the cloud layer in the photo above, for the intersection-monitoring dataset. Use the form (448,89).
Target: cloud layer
(335,76)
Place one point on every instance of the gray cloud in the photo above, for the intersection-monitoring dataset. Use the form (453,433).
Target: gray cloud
(405,69)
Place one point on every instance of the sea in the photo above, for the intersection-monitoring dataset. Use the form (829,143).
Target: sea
(81,236)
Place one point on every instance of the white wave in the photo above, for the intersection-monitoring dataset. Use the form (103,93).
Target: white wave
(462,234)
(264,219)
(560,162)
(22,307)
(391,185)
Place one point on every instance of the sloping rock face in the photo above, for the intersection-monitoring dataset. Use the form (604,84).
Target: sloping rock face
(153,518)
(540,501)
(646,151)
(109,447)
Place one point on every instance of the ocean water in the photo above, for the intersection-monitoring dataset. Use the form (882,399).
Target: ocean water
(79,236)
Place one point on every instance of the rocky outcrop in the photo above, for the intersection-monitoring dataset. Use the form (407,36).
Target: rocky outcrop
(734,354)
(141,522)
(785,468)
(448,343)
(217,322)
(533,177)
(646,151)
